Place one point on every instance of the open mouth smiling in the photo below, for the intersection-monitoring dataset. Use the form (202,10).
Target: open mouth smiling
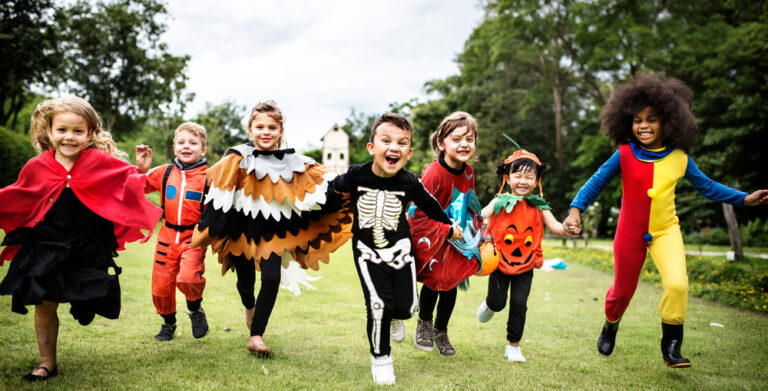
(516,253)
(392,160)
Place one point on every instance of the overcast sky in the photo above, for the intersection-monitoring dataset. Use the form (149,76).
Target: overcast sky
(317,59)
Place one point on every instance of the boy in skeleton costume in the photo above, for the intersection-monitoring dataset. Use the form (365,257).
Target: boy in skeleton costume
(380,193)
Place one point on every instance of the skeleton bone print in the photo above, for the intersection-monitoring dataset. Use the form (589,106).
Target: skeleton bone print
(380,210)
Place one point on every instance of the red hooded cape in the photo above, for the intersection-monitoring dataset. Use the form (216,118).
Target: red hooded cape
(109,187)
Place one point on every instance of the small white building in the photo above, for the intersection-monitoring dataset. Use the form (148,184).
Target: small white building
(336,149)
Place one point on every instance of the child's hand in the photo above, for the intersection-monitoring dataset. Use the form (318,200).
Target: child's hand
(572,223)
(143,158)
(760,197)
(457,232)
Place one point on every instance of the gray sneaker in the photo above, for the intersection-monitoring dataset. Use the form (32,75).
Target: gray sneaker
(444,346)
(422,340)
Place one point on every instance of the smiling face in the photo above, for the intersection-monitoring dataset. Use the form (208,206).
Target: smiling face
(522,182)
(458,147)
(69,136)
(391,149)
(647,129)
(188,147)
(265,132)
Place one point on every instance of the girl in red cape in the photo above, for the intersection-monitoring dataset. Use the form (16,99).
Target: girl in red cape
(441,265)
(72,207)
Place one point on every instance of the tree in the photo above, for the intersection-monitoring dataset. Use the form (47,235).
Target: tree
(114,58)
(28,47)
(225,127)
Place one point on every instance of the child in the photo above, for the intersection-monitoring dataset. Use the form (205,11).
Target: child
(71,208)
(177,264)
(380,192)
(440,266)
(516,224)
(267,207)
(650,119)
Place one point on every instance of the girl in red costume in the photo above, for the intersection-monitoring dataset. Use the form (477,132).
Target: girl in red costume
(72,207)
(650,119)
(516,223)
(440,266)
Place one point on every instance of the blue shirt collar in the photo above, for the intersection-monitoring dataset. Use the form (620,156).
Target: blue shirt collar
(646,155)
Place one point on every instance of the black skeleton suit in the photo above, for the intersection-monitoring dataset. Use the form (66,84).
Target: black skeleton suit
(381,244)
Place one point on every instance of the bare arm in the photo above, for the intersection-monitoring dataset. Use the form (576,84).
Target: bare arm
(487,212)
(555,226)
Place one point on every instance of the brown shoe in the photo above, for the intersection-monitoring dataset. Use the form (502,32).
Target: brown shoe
(257,347)
(444,346)
(422,340)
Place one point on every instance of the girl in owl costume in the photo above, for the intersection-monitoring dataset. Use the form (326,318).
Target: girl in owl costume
(268,207)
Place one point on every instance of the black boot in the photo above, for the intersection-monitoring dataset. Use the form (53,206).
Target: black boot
(607,339)
(671,341)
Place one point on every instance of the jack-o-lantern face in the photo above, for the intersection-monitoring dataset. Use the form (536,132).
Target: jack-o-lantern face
(517,237)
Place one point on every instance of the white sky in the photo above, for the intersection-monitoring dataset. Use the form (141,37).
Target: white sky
(317,59)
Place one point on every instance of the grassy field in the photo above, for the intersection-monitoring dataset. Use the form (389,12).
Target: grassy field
(320,342)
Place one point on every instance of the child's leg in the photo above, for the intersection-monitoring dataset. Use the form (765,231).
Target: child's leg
(427,302)
(669,257)
(377,285)
(47,332)
(270,285)
(404,296)
(496,298)
(445,308)
(165,268)
(190,280)
(245,270)
(629,249)
(519,289)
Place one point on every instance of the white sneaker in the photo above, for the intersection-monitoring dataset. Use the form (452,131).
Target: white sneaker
(383,370)
(484,313)
(397,330)
(512,353)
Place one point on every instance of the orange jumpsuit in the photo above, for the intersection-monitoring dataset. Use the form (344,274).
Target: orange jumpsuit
(177,264)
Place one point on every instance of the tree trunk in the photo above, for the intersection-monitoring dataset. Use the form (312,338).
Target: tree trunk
(558,125)
(733,231)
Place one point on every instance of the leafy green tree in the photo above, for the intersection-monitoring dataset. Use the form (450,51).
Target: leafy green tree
(225,126)
(29,52)
(114,58)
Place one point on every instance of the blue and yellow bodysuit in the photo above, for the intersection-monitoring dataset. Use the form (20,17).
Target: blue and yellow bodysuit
(648,220)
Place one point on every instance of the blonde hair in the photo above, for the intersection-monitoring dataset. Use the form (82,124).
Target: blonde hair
(42,120)
(268,107)
(196,129)
(453,121)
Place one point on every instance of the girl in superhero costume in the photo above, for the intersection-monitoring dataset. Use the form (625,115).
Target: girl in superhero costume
(441,265)
(650,120)
(72,207)
(267,207)
(516,223)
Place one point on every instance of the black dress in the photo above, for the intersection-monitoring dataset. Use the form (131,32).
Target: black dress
(67,259)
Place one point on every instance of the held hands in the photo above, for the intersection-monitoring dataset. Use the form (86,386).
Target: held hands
(457,232)
(143,158)
(759,197)
(572,223)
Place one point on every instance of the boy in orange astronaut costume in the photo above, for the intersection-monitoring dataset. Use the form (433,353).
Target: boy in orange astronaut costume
(176,263)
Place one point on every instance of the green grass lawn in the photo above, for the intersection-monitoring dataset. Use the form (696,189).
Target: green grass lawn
(320,341)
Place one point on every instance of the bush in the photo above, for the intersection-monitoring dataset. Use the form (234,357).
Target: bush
(709,235)
(15,150)
(712,278)
(754,233)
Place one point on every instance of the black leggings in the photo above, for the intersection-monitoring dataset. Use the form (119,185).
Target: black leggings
(428,300)
(519,288)
(270,284)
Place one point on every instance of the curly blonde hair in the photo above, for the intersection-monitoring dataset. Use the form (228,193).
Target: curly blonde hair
(42,120)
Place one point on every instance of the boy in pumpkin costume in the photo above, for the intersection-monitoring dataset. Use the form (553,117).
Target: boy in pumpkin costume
(516,224)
